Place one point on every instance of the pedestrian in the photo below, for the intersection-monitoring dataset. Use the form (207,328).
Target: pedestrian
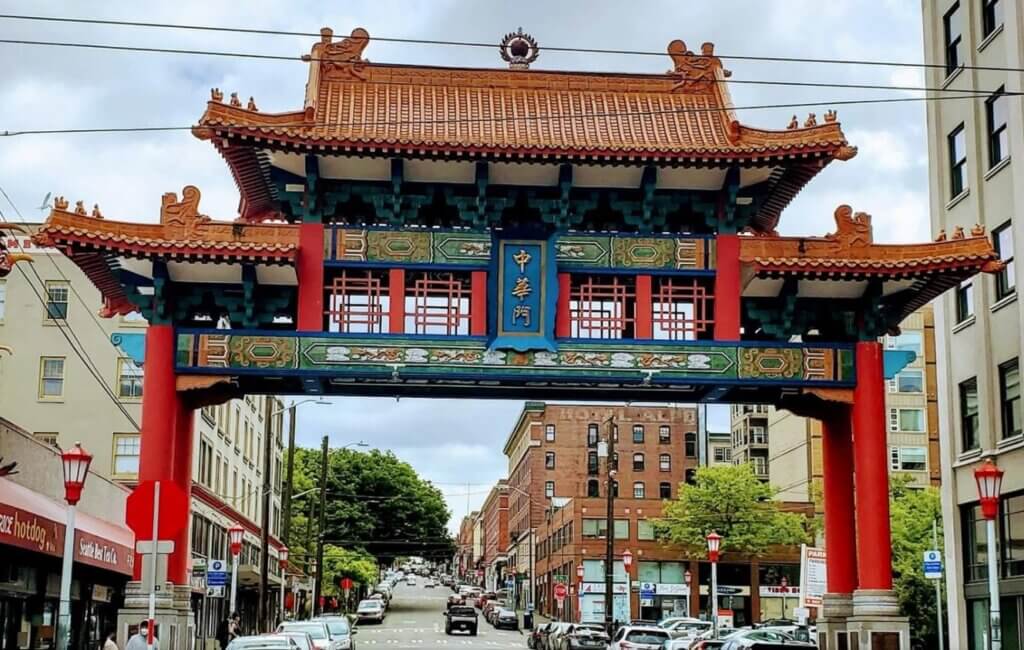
(139,640)
(109,641)
(228,630)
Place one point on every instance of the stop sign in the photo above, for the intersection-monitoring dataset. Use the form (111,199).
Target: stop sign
(173,510)
(560,591)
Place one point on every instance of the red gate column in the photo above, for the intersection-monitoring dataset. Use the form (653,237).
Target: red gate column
(727,288)
(874,595)
(181,473)
(840,542)
(309,269)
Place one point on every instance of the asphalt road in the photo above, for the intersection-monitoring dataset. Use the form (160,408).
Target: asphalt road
(416,620)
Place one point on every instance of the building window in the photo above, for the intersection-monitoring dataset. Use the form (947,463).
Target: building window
(665,463)
(126,454)
(964,301)
(592,435)
(975,543)
(205,462)
(593,488)
(549,489)
(638,462)
(1013,535)
(664,434)
(549,460)
(995,119)
(957,142)
(57,300)
(758,435)
(1005,281)
(48,438)
(969,415)
(991,16)
(644,530)
(951,30)
(910,381)
(665,490)
(549,433)
(907,342)
(638,433)
(690,445)
(906,420)
(638,490)
(51,377)
(129,379)
(1009,397)
(908,459)
(723,454)
(592,463)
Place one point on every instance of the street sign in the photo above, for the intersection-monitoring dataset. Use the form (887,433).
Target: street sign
(560,593)
(215,592)
(647,591)
(933,565)
(216,573)
(561,578)
(173,510)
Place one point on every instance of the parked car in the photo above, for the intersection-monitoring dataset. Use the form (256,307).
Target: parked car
(263,642)
(302,640)
(370,610)
(639,637)
(535,639)
(461,617)
(505,618)
(339,630)
(735,639)
(686,629)
(317,630)
(583,636)
(554,635)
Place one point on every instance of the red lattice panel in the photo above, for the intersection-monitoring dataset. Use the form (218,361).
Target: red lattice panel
(440,304)
(601,307)
(681,310)
(357,303)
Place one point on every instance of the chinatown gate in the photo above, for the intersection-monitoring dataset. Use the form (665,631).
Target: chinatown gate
(505,232)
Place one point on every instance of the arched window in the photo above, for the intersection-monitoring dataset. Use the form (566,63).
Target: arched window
(665,462)
(639,490)
(593,488)
(691,445)
(665,490)
(664,434)
(638,462)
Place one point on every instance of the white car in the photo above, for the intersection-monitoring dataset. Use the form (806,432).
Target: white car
(411,581)
(370,610)
(639,637)
(428,583)
(686,629)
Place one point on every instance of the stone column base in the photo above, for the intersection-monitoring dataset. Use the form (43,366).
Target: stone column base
(835,609)
(876,621)
(175,623)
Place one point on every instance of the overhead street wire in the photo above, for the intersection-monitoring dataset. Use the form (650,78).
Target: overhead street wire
(488,45)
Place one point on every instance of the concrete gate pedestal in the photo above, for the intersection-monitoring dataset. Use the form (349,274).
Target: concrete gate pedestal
(175,624)
(868,620)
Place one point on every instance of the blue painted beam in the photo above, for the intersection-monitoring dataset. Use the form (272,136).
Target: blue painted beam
(132,344)
(896,360)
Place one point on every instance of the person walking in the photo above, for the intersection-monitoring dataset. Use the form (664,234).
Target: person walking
(139,640)
(228,630)
(110,641)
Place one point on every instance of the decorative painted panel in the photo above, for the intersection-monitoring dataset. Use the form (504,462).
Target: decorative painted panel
(346,356)
(443,247)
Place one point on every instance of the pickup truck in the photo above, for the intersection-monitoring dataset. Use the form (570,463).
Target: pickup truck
(460,617)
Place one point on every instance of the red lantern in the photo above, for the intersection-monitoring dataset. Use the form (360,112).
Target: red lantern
(235,535)
(76,463)
(627,559)
(990,480)
(282,557)
(714,544)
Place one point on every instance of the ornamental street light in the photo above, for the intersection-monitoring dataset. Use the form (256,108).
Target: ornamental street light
(990,480)
(235,535)
(282,558)
(687,577)
(75,463)
(714,544)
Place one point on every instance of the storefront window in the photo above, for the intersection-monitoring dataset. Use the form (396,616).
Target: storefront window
(1013,535)
(975,544)
(649,572)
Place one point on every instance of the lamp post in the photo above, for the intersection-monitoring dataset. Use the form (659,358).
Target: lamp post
(282,558)
(990,479)
(714,543)
(235,535)
(75,462)
(579,589)
(687,577)
(627,562)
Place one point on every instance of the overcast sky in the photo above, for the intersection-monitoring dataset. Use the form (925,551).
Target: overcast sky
(452,443)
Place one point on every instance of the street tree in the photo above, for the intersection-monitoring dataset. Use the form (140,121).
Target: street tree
(731,501)
(913,511)
(340,563)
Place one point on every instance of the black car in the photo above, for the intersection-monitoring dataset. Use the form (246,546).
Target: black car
(506,618)
(585,636)
(460,617)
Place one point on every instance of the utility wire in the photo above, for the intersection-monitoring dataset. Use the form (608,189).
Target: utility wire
(306,58)
(477,44)
(505,119)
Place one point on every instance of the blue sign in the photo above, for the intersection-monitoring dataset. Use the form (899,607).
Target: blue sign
(216,573)
(932,564)
(647,590)
(526,286)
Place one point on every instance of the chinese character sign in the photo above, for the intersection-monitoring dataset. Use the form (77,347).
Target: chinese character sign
(525,298)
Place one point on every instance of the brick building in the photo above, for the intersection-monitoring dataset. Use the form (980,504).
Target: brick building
(494,521)
(464,566)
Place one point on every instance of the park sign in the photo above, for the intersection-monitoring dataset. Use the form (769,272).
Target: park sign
(812,576)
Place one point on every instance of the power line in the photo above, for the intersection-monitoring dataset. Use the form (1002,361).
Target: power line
(477,44)
(504,119)
(306,58)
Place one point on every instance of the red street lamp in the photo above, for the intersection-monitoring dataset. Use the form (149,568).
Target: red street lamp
(579,571)
(282,558)
(714,544)
(627,560)
(235,535)
(75,463)
(990,482)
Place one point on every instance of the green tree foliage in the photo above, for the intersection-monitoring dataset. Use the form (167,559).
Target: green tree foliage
(375,502)
(731,501)
(912,512)
(344,563)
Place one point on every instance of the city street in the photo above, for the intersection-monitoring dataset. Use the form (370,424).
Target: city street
(415,620)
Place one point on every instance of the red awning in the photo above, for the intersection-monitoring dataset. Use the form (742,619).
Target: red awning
(34,522)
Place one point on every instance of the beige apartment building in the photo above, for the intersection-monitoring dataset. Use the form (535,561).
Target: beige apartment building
(48,390)
(785,449)
(973,180)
